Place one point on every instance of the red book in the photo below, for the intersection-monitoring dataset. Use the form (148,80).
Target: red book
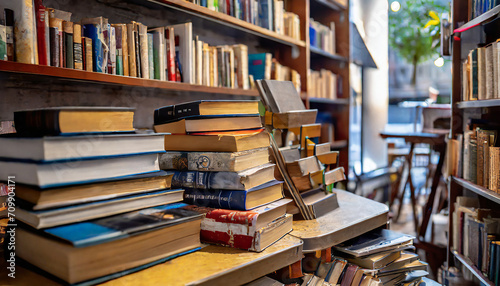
(171,69)
(251,230)
(41,32)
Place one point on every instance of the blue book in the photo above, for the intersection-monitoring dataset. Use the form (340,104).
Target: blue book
(84,234)
(203,3)
(94,32)
(266,14)
(257,65)
(235,199)
(71,214)
(312,36)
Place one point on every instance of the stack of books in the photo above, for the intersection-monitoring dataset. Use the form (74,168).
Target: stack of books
(87,187)
(380,257)
(219,153)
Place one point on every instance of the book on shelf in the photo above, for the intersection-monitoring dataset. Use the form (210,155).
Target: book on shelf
(235,199)
(210,123)
(42,199)
(156,234)
(243,180)
(321,36)
(478,7)
(214,161)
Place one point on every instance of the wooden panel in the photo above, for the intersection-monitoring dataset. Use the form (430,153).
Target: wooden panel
(212,265)
(342,223)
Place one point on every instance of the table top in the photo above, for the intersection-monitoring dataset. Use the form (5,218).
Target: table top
(416,137)
(354,216)
(212,265)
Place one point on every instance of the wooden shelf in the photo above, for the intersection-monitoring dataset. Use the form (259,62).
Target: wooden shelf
(473,269)
(490,195)
(342,223)
(332,4)
(338,101)
(229,21)
(72,74)
(493,13)
(319,53)
(212,265)
(479,103)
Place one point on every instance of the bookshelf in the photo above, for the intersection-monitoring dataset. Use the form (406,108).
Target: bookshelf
(469,34)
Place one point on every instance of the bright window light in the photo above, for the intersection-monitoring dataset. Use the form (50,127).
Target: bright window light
(395,6)
(439,62)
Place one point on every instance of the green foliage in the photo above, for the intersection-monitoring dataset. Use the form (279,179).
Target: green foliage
(407,35)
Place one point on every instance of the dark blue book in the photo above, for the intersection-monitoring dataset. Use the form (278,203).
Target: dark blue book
(235,199)
(94,32)
(266,14)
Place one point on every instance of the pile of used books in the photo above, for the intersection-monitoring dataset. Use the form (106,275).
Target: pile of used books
(91,200)
(219,153)
(379,257)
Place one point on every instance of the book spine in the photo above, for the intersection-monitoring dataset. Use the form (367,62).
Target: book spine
(77,47)
(144,50)
(119,49)
(69,44)
(24,26)
(3,43)
(227,238)
(55,33)
(131,51)
(169,35)
(9,34)
(178,65)
(233,200)
(138,54)
(112,49)
(207,180)
(494,168)
(94,32)
(125,48)
(156,55)
(473,161)
(89,61)
(41,20)
(150,57)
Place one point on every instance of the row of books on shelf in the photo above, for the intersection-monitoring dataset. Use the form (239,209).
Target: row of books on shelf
(170,53)
(379,257)
(269,14)
(323,84)
(205,176)
(479,7)
(480,73)
(322,37)
(475,235)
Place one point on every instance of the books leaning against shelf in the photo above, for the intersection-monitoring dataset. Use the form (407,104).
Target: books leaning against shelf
(322,37)
(269,14)
(323,84)
(64,190)
(480,73)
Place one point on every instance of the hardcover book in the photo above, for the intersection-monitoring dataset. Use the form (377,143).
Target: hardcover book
(374,242)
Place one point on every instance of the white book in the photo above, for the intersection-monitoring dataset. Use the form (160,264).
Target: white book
(185,33)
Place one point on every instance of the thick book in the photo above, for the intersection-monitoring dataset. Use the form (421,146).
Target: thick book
(376,261)
(374,242)
(218,141)
(77,47)
(235,199)
(335,274)
(56,148)
(93,29)
(41,33)
(259,66)
(185,33)
(282,96)
(131,55)
(78,172)
(88,62)
(303,166)
(244,180)
(143,50)
(55,34)
(214,161)
(141,247)
(41,199)
(209,123)
(319,202)
(238,236)
(205,107)
(98,209)
(71,120)
(21,24)
(244,227)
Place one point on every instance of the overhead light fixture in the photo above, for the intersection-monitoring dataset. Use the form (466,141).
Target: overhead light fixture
(439,62)
(395,6)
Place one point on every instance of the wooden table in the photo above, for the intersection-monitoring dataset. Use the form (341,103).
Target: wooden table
(212,265)
(354,216)
(437,141)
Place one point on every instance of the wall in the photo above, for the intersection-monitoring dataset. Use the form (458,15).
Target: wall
(371,18)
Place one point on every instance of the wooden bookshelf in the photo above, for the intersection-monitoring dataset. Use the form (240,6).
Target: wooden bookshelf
(321,55)
(72,74)
(488,194)
(493,13)
(228,20)
(332,4)
(212,265)
(479,103)
(354,216)
(472,268)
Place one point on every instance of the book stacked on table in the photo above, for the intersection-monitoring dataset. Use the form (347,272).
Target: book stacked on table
(87,187)
(219,153)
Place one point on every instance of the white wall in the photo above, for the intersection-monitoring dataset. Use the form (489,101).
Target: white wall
(371,18)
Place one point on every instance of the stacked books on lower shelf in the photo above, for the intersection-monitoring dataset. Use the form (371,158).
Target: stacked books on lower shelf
(90,203)
(219,154)
(476,233)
